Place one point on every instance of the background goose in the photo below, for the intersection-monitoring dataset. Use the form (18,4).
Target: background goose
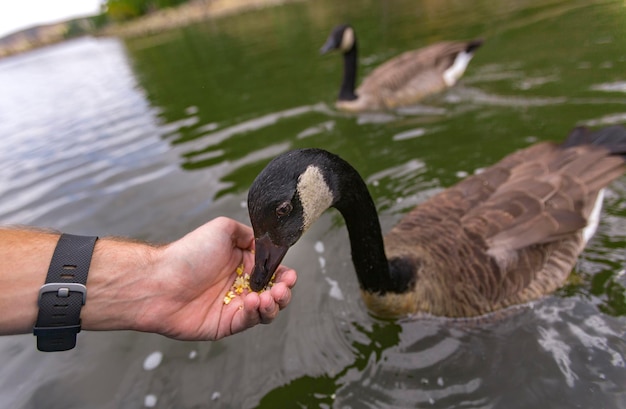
(502,237)
(401,81)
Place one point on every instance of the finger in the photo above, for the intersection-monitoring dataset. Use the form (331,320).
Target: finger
(247,314)
(286,276)
(242,235)
(281,295)
(268,309)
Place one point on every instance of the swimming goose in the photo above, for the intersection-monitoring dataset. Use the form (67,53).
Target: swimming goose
(505,236)
(403,80)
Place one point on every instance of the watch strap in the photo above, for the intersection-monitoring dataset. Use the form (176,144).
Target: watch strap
(64,293)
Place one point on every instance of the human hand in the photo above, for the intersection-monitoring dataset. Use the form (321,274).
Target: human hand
(192,276)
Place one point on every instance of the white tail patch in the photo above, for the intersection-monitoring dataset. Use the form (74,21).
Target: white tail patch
(452,74)
(315,195)
(594,218)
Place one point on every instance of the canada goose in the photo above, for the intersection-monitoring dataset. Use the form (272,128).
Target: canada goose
(403,80)
(505,236)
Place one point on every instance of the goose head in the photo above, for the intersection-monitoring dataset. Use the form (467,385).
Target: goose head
(293,191)
(283,201)
(341,38)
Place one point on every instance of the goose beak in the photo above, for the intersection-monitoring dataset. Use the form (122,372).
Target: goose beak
(267,258)
(328,46)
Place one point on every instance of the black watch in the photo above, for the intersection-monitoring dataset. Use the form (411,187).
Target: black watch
(64,293)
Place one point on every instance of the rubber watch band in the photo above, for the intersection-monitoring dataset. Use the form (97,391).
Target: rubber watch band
(64,293)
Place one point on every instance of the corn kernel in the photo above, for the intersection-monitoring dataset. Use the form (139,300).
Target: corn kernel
(241,285)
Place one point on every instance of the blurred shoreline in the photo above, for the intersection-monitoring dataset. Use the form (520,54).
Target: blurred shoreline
(158,21)
(187,13)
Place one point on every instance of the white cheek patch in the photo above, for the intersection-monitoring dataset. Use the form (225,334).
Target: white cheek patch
(347,40)
(315,195)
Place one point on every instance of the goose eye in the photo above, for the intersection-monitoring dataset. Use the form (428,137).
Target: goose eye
(283,209)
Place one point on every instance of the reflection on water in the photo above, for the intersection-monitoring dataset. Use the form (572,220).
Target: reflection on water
(152,137)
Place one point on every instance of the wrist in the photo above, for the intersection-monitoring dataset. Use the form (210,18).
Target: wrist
(158,300)
(119,286)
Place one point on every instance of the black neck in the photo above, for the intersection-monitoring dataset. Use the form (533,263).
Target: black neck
(346,93)
(366,240)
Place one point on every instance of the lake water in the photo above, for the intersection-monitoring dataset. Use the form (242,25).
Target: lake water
(152,137)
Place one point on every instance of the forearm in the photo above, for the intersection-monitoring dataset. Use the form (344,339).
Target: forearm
(115,283)
(176,290)
(24,259)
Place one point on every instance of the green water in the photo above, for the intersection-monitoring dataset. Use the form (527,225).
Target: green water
(534,77)
(150,137)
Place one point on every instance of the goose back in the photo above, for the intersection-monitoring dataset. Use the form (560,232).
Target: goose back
(414,75)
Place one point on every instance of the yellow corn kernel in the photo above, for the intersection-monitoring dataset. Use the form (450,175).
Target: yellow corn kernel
(240,270)
(241,285)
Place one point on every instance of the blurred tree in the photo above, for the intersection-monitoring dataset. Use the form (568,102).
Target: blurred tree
(121,10)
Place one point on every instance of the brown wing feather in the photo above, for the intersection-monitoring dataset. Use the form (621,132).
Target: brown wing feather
(507,235)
